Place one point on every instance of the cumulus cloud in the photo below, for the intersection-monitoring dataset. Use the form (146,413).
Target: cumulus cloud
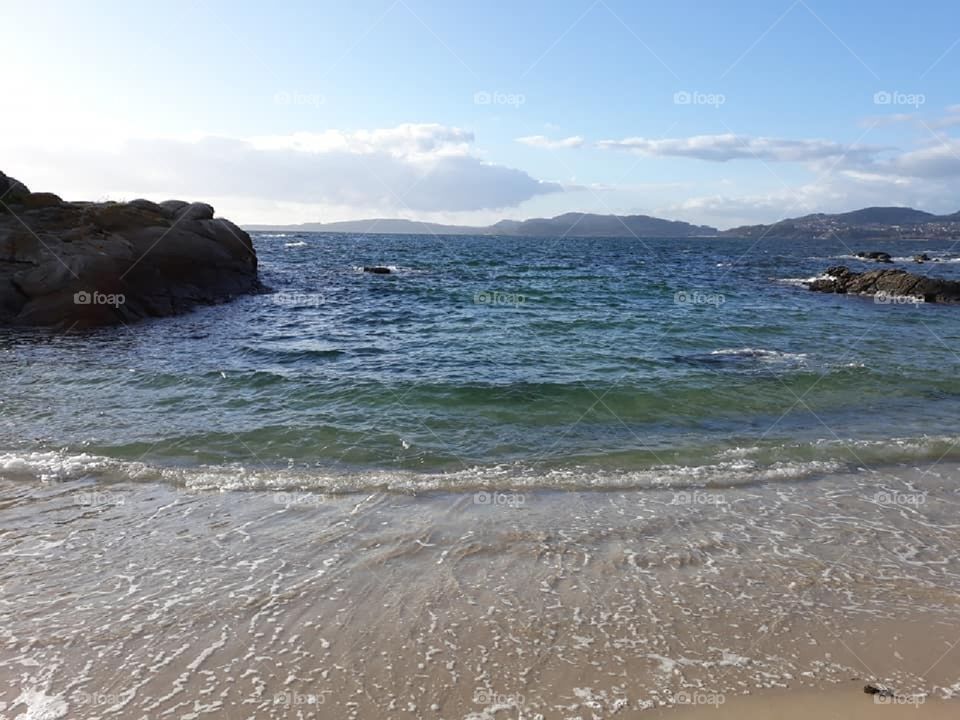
(416,168)
(721,148)
(843,191)
(940,160)
(542,141)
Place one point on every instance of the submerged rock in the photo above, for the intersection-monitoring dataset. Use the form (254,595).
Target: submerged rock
(921,258)
(377,269)
(82,264)
(876,255)
(888,283)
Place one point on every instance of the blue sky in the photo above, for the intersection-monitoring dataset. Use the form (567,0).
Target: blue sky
(719,113)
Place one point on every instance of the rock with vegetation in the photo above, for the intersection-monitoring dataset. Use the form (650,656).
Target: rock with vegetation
(85,264)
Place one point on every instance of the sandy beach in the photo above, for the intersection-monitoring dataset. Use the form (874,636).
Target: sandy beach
(146,600)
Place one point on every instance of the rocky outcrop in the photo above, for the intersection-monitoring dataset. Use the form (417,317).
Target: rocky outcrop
(82,264)
(377,269)
(888,284)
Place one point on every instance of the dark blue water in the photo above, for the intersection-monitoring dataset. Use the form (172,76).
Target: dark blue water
(553,361)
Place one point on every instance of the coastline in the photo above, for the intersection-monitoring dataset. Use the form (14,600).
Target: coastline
(143,598)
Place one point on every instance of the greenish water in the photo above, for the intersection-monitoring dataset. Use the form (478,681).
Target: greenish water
(499,360)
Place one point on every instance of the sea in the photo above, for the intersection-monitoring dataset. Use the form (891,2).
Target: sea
(497,362)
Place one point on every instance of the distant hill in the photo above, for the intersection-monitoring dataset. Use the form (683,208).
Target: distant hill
(590,225)
(387,226)
(871,222)
(569,225)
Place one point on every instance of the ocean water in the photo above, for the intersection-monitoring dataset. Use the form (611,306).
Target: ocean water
(500,362)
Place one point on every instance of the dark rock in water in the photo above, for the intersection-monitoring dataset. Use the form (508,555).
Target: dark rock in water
(888,284)
(921,258)
(878,689)
(876,255)
(82,264)
(377,270)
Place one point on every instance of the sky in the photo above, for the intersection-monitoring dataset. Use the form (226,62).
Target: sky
(724,114)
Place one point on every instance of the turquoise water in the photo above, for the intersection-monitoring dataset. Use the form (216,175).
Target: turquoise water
(515,361)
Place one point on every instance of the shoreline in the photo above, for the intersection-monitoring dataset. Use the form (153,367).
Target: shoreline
(612,603)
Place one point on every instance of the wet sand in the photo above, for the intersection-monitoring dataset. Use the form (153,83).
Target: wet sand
(144,600)
(847,702)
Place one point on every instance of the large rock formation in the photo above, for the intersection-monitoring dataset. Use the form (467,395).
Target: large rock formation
(82,264)
(888,284)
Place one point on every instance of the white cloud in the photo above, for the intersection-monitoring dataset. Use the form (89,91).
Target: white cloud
(541,141)
(843,191)
(410,168)
(940,160)
(721,148)
(411,141)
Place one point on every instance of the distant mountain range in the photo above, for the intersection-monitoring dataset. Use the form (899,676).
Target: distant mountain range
(872,222)
(569,224)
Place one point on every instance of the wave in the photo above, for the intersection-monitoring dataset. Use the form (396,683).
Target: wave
(729,467)
(746,355)
(802,282)
(935,257)
(759,353)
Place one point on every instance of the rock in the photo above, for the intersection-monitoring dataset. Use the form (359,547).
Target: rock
(11,190)
(888,284)
(878,689)
(39,200)
(921,258)
(876,255)
(81,264)
(173,206)
(377,269)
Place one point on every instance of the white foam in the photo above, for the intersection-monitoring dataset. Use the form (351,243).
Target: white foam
(759,353)
(730,467)
(40,706)
(802,282)
(50,466)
